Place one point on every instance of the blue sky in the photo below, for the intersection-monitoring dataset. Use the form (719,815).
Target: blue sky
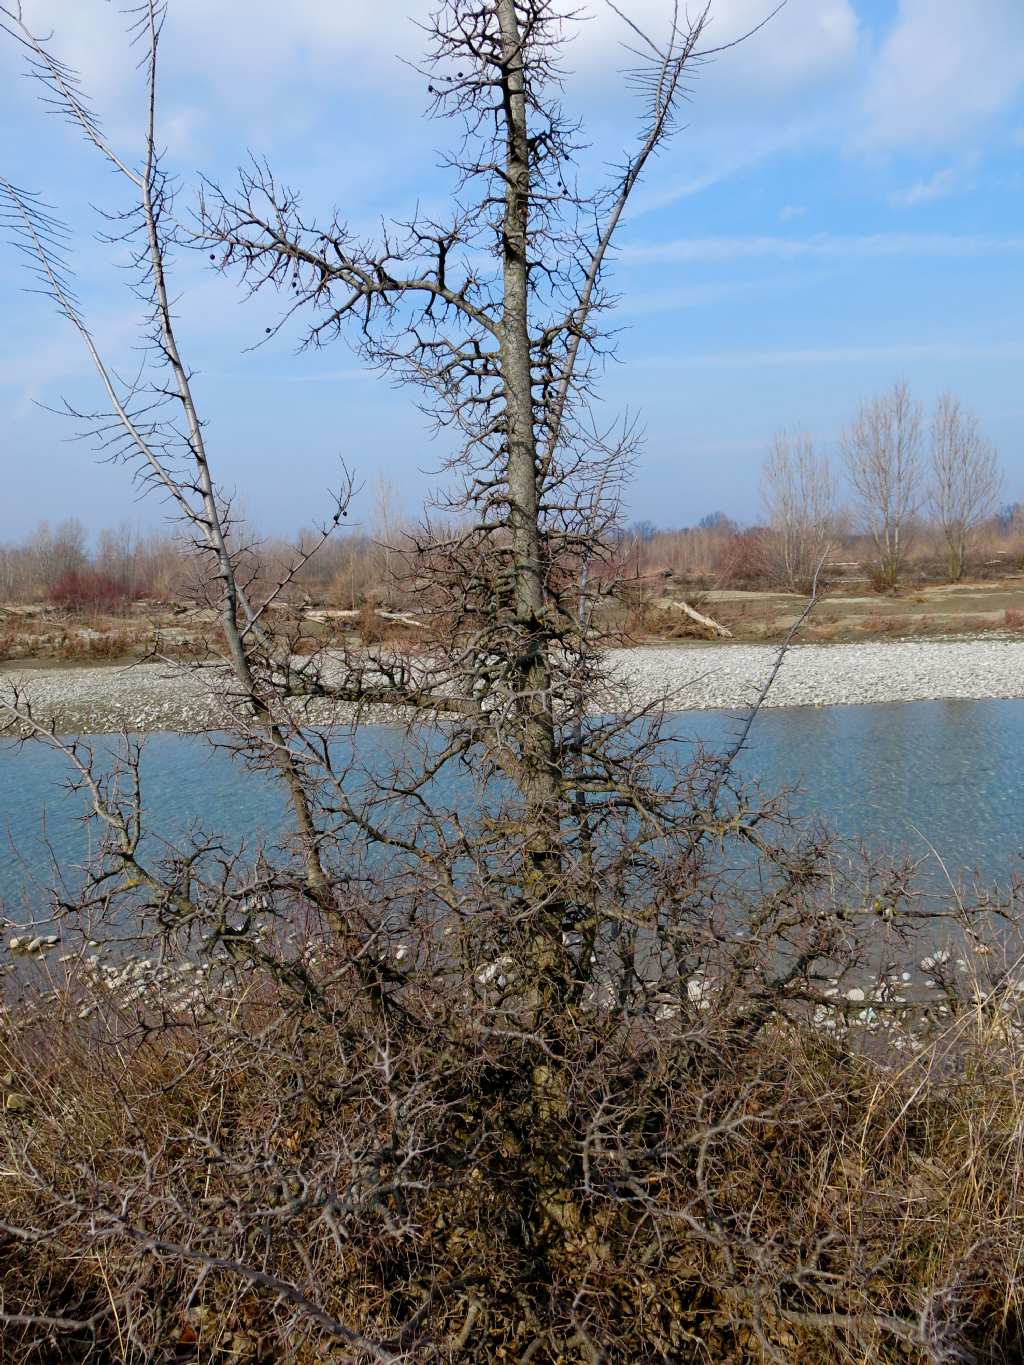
(843,208)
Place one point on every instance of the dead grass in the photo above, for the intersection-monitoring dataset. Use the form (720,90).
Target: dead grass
(808,1196)
(44,633)
(887,625)
(66,644)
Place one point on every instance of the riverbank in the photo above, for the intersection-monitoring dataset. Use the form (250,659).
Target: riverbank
(151,696)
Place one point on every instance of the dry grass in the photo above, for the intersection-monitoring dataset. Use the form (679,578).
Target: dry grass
(811,1194)
(887,625)
(95,642)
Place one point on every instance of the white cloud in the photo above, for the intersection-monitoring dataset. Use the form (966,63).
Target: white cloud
(806,40)
(944,68)
(938,186)
(229,52)
(824,246)
(252,48)
(791,211)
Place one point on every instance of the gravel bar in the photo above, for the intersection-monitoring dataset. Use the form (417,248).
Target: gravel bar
(145,697)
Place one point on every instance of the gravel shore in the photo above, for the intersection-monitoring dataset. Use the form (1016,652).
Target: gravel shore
(730,676)
(154,697)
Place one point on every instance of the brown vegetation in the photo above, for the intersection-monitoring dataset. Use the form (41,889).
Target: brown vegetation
(724,555)
(218,1173)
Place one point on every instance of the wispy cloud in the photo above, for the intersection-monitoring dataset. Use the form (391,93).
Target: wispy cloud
(944,69)
(938,186)
(791,211)
(825,246)
(649,201)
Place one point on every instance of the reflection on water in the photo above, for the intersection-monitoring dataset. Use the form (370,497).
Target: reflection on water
(942,775)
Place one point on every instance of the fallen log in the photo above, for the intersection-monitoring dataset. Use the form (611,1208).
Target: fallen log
(705,621)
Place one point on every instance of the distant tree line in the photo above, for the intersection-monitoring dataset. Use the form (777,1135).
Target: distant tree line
(62,565)
(905,474)
(57,564)
(910,493)
(907,493)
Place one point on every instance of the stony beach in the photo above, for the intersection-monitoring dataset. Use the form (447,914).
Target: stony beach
(151,696)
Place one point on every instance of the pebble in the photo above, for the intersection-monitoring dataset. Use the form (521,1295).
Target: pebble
(147,697)
(728,677)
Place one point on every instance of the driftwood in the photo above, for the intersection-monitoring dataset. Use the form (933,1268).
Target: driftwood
(344,614)
(707,622)
(702,620)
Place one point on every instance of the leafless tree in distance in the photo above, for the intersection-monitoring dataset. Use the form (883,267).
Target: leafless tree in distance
(882,453)
(965,478)
(798,491)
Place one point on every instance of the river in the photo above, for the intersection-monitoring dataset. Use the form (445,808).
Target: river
(938,779)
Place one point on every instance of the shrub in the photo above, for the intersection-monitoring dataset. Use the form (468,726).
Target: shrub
(74,647)
(201,1169)
(742,561)
(669,623)
(90,590)
(375,629)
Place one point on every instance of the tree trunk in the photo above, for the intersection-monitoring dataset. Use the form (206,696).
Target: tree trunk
(541,783)
(553,1212)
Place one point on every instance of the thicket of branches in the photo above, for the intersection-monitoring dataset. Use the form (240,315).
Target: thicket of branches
(545,1039)
(126,565)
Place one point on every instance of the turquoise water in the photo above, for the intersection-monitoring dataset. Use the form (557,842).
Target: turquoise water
(935,779)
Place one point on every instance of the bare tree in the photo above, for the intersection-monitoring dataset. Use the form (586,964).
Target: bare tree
(386,530)
(965,479)
(494,313)
(57,551)
(882,453)
(799,497)
(459,1069)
